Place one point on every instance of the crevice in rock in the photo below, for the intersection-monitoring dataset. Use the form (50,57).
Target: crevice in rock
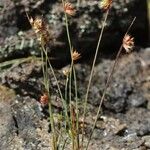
(16,125)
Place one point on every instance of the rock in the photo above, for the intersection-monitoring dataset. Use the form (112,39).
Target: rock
(21,75)
(125,115)
(137,100)
(84,27)
(111,125)
(13,21)
(139,125)
(125,88)
(8,19)
(19,45)
(7,125)
(27,118)
(7,95)
(146,141)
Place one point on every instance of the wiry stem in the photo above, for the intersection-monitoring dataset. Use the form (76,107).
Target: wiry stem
(61,96)
(104,93)
(70,48)
(108,83)
(46,83)
(77,113)
(43,69)
(92,70)
(72,64)
(70,98)
(67,29)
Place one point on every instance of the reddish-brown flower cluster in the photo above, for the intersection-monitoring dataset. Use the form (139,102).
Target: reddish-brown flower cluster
(128,43)
(44,99)
(75,55)
(69,9)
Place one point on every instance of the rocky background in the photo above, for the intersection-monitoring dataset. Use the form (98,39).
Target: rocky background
(18,40)
(125,123)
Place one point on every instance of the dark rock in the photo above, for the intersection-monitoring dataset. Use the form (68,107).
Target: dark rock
(139,124)
(7,125)
(20,45)
(27,117)
(84,27)
(137,100)
(21,78)
(124,90)
(8,18)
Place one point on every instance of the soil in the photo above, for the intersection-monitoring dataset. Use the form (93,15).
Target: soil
(124,122)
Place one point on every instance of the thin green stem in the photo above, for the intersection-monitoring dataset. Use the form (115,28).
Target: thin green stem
(70,47)
(75,144)
(104,93)
(46,70)
(66,97)
(68,33)
(46,80)
(70,82)
(43,69)
(70,105)
(72,65)
(108,83)
(66,87)
(59,90)
(77,113)
(52,124)
(92,71)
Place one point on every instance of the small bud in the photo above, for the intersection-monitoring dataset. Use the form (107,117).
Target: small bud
(66,72)
(41,29)
(37,24)
(44,99)
(69,9)
(128,43)
(75,55)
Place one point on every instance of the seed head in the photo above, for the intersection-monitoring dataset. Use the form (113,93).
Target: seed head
(44,99)
(128,43)
(44,37)
(37,24)
(40,28)
(75,55)
(66,71)
(69,9)
(105,4)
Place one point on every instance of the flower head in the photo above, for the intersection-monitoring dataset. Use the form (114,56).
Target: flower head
(37,24)
(66,71)
(105,4)
(40,28)
(69,9)
(75,55)
(44,99)
(128,43)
